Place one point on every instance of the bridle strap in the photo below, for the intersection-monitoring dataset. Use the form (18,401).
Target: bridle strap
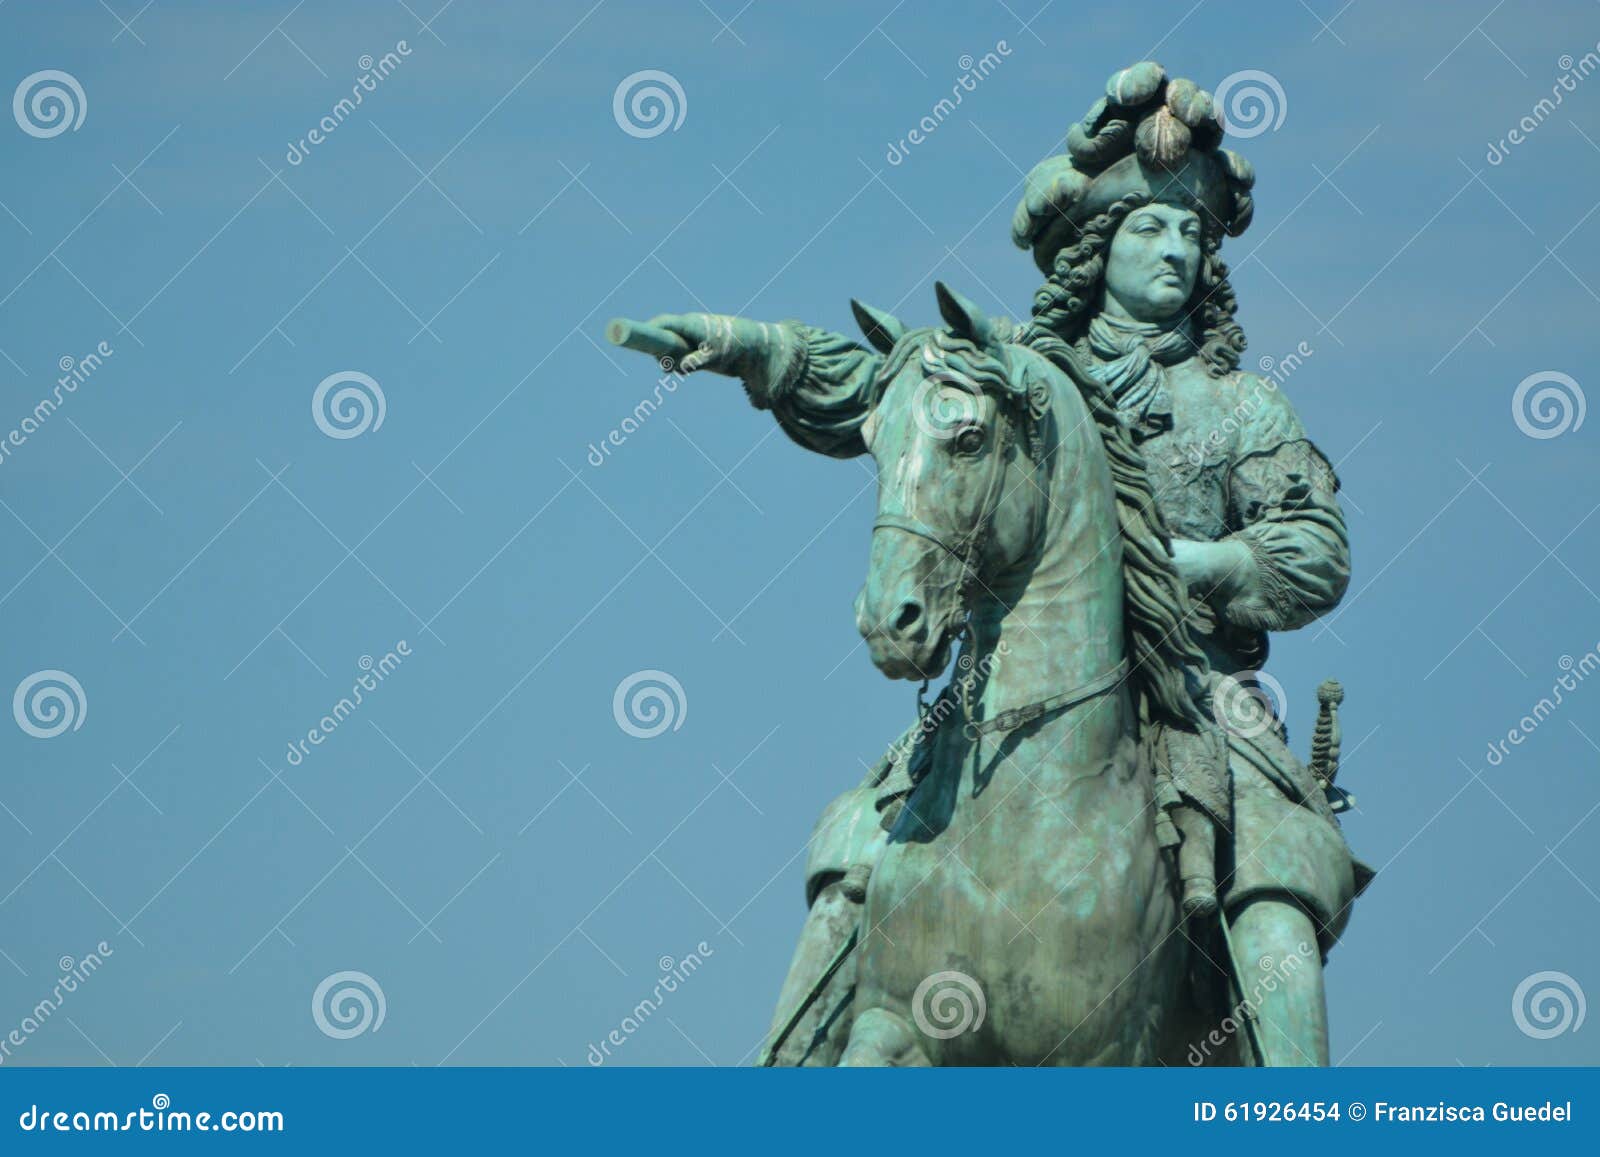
(1019,716)
(969,551)
(916,527)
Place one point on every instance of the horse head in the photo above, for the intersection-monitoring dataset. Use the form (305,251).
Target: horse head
(957,432)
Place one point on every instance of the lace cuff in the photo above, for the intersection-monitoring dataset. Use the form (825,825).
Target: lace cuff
(783,367)
(1265,598)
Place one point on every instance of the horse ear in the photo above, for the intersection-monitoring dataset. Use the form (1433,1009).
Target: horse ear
(963,317)
(883,330)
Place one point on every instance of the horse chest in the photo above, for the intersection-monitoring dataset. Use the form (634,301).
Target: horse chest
(964,888)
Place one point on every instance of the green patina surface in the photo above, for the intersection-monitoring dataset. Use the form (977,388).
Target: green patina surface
(1095,847)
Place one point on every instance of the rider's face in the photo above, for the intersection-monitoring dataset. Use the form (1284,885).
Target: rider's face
(1153,263)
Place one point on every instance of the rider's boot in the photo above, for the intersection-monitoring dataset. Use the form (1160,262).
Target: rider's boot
(882,1039)
(1279,966)
(818,1036)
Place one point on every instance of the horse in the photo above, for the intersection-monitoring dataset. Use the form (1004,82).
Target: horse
(1022,909)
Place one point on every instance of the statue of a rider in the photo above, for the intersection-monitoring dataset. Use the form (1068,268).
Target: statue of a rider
(1127,229)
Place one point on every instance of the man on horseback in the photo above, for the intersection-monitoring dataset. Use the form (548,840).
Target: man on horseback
(1128,229)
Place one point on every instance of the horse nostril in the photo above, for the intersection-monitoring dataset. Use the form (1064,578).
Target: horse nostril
(910,614)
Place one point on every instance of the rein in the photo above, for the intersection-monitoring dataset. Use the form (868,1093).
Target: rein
(969,551)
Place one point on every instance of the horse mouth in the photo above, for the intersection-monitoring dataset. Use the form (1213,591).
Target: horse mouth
(914,660)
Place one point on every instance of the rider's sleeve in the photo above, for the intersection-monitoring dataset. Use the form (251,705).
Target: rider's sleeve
(821,388)
(1283,506)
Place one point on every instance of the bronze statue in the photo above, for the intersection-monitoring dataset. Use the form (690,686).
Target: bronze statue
(1095,844)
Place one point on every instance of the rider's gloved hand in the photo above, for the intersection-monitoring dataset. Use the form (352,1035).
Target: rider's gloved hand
(764,355)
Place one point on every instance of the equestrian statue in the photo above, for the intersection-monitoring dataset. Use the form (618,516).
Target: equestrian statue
(1094,846)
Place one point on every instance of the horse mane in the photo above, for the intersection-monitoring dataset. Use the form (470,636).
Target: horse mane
(1163,653)
(968,363)
(1162,648)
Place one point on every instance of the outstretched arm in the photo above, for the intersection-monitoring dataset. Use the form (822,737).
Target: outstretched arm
(819,385)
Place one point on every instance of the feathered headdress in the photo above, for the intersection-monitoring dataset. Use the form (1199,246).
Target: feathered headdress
(1148,135)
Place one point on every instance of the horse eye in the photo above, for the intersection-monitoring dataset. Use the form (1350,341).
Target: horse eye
(969,440)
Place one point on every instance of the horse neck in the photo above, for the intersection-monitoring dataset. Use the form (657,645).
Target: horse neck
(1054,622)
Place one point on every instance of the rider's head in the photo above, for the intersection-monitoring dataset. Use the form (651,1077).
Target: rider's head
(1153,263)
(1131,220)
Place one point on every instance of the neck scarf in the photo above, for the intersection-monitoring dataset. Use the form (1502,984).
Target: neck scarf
(1129,358)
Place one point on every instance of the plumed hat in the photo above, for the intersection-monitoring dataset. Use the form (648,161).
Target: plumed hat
(1148,135)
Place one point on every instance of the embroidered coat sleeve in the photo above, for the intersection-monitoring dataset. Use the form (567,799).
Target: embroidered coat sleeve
(1283,506)
(821,390)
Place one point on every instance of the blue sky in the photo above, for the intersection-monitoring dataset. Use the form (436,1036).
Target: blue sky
(481,838)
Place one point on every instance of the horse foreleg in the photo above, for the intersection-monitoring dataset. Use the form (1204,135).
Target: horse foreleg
(879,1039)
